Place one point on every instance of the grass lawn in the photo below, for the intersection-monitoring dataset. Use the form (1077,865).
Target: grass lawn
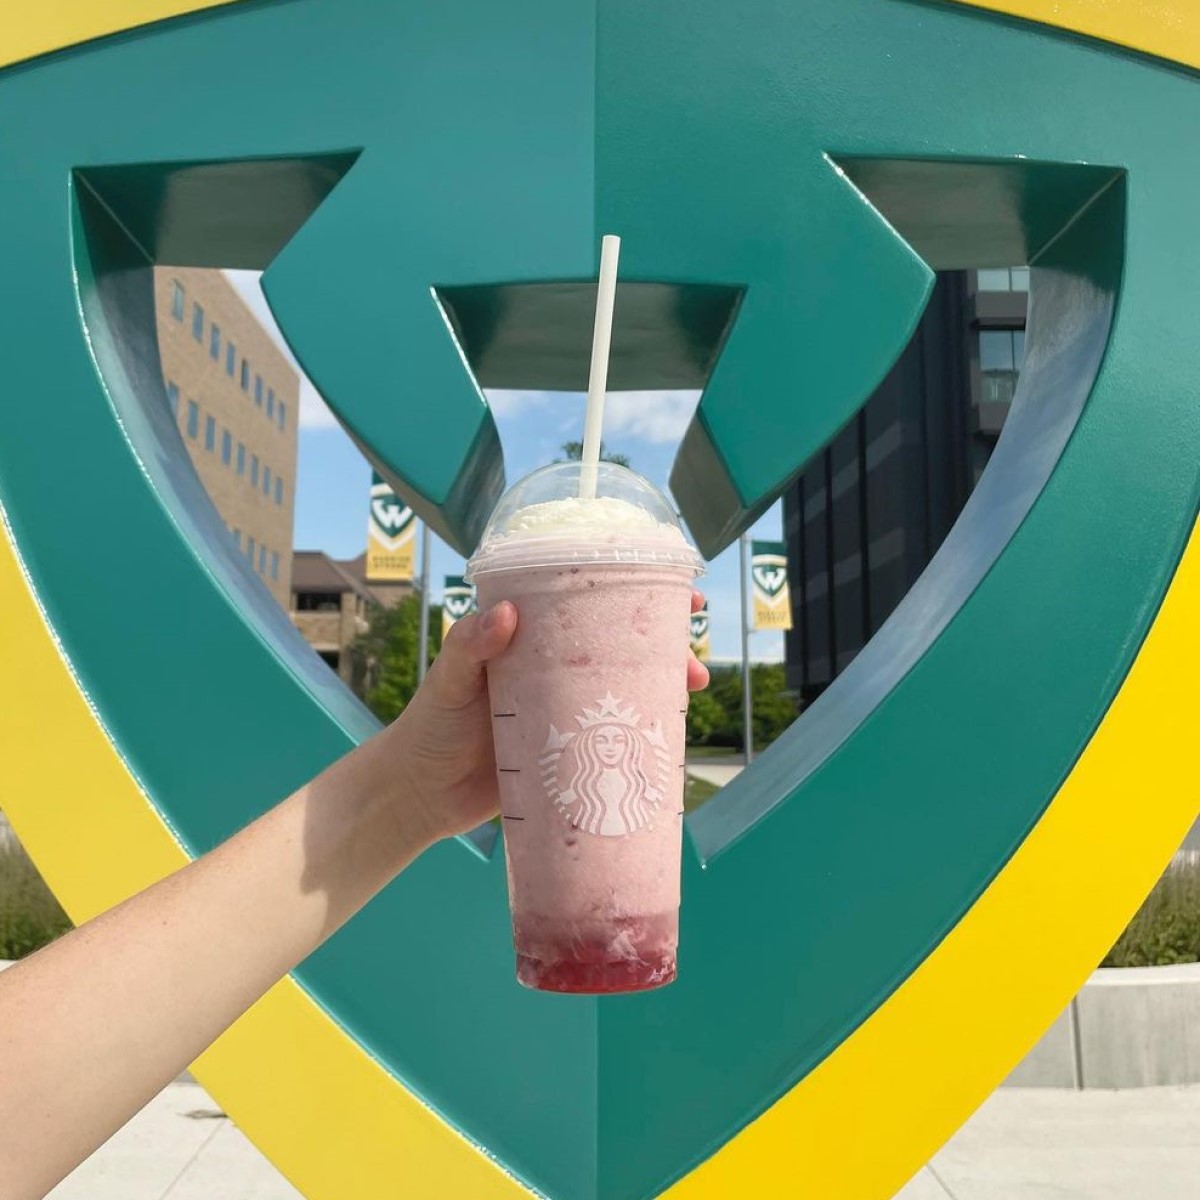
(712,751)
(696,791)
(29,915)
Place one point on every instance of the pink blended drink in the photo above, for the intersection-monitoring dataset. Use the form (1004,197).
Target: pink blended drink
(588,711)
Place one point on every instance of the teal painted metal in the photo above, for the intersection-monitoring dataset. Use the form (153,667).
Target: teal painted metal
(488,149)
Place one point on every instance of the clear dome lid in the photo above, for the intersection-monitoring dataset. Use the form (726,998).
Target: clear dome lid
(541,521)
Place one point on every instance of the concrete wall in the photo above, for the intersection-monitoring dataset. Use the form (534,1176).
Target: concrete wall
(1134,1027)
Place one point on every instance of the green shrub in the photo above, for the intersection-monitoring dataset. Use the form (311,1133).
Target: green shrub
(29,914)
(1166,928)
(715,715)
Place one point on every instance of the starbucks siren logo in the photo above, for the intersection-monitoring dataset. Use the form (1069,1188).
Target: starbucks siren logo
(611,777)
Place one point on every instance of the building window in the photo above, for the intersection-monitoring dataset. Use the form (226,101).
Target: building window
(245,376)
(230,358)
(278,490)
(1001,352)
(177,299)
(1003,279)
(258,390)
(254,470)
(193,419)
(241,458)
(275,564)
(282,415)
(270,403)
(262,560)
(318,602)
(226,447)
(237,538)
(197,322)
(210,433)
(250,549)
(266,481)
(173,398)
(214,341)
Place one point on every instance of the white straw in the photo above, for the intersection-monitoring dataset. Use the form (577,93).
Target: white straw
(593,421)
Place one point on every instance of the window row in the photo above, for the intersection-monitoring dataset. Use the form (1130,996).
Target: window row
(1003,279)
(276,409)
(258,554)
(1001,355)
(261,476)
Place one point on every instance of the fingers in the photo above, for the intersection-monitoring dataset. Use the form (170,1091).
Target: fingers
(457,674)
(697,601)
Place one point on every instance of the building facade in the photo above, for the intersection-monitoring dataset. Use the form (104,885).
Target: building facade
(869,511)
(331,606)
(236,401)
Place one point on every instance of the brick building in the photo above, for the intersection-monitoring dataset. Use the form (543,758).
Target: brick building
(236,401)
(331,604)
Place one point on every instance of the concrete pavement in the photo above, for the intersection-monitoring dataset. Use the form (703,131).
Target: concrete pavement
(717,771)
(181,1146)
(1050,1144)
(1023,1144)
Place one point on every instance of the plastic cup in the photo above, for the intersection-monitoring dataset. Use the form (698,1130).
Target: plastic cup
(589,707)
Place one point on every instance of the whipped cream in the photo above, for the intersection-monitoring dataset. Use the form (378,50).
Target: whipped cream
(603,515)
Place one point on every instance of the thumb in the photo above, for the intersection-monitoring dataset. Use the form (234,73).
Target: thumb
(456,677)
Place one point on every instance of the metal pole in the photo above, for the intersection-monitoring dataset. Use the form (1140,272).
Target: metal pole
(423,635)
(1076,1044)
(747,710)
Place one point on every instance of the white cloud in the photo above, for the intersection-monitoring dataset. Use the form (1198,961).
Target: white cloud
(659,417)
(314,412)
(512,403)
(651,416)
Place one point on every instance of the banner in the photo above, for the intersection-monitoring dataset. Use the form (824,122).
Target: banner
(772,601)
(700,643)
(391,536)
(458,601)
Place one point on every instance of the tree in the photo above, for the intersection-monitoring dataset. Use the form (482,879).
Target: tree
(390,648)
(715,715)
(706,719)
(574,452)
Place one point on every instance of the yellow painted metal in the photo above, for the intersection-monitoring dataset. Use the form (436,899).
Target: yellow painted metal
(340,1124)
(30,29)
(1167,29)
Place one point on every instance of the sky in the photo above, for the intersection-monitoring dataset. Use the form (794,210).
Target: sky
(333,478)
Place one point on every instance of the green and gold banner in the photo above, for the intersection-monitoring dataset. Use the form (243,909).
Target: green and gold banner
(458,601)
(772,601)
(391,536)
(700,642)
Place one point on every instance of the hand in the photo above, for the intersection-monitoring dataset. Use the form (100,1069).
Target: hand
(443,740)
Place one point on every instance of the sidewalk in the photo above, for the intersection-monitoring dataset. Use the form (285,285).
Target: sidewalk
(182,1147)
(1023,1144)
(1043,1143)
(718,770)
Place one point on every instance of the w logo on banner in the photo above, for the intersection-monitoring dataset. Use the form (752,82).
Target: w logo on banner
(770,579)
(699,634)
(391,535)
(390,515)
(458,601)
(772,600)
